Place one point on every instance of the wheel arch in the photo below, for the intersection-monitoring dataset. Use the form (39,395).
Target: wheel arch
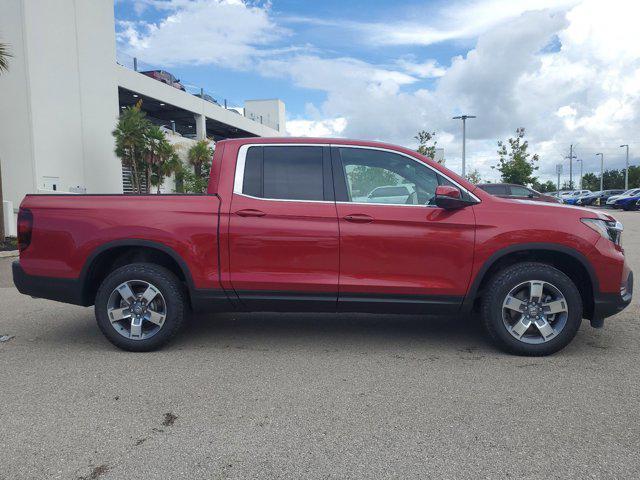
(111,255)
(568,260)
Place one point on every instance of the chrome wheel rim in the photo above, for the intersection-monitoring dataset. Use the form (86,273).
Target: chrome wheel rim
(136,309)
(535,312)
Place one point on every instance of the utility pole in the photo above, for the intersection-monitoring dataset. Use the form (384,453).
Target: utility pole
(601,170)
(559,172)
(464,140)
(626,169)
(580,160)
(571,157)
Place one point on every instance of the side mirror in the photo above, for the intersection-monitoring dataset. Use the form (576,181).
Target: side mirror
(448,197)
(532,195)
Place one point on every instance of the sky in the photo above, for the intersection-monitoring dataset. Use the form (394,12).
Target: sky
(567,71)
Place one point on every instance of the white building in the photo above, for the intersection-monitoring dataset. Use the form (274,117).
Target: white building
(60,100)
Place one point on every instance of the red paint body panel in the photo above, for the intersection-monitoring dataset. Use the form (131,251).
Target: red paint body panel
(293,247)
(310,246)
(411,250)
(67,229)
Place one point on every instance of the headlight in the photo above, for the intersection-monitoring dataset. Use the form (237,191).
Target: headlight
(609,229)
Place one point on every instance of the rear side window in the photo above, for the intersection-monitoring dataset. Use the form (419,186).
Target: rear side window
(284,173)
(520,191)
(495,189)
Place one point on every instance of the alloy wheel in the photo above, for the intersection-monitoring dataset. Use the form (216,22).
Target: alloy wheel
(137,310)
(535,312)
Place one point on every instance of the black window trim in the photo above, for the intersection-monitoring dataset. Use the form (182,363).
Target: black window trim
(341,189)
(339,180)
(327,180)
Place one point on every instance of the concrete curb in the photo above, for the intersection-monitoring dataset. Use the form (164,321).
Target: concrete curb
(9,254)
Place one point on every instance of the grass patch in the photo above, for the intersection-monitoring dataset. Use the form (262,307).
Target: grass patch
(8,243)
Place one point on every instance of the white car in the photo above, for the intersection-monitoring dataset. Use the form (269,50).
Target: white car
(634,192)
(390,194)
(574,194)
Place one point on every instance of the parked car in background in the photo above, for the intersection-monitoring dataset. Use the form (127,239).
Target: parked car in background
(165,77)
(633,192)
(572,194)
(396,194)
(510,190)
(280,230)
(573,200)
(207,98)
(597,198)
(627,203)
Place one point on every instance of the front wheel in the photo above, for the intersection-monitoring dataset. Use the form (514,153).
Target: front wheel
(140,307)
(531,309)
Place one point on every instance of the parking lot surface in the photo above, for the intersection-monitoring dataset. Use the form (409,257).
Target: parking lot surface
(314,396)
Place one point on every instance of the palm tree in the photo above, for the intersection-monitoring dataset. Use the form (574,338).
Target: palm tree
(4,58)
(131,142)
(200,155)
(4,66)
(161,158)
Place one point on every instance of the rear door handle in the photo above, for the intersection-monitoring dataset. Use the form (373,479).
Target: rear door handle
(358,218)
(250,212)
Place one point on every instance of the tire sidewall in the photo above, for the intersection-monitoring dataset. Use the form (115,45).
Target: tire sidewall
(504,282)
(169,287)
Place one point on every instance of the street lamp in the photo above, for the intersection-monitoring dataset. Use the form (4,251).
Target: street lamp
(580,160)
(464,139)
(601,170)
(626,168)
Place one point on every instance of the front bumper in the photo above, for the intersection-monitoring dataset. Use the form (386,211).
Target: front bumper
(608,304)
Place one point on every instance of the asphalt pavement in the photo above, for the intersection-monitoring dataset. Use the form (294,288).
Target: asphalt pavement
(314,396)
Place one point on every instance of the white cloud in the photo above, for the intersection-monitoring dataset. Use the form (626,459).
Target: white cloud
(316,128)
(585,92)
(221,32)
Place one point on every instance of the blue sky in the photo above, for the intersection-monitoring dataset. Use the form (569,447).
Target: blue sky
(566,70)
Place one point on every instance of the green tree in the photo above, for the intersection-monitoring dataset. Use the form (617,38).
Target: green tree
(425,147)
(545,187)
(4,66)
(591,181)
(634,176)
(364,179)
(161,159)
(515,163)
(131,142)
(613,179)
(200,156)
(474,177)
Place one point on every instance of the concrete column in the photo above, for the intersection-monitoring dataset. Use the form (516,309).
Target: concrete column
(201,126)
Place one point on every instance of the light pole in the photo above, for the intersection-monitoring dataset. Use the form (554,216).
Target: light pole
(464,139)
(626,169)
(580,160)
(601,170)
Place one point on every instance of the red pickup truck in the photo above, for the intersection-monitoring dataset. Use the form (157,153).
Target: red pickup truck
(292,225)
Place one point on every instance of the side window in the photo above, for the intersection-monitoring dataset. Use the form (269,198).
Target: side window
(284,173)
(375,176)
(517,191)
(495,189)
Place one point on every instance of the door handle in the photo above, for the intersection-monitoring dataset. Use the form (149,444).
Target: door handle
(358,218)
(250,212)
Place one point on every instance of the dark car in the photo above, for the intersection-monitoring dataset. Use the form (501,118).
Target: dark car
(510,190)
(165,77)
(207,98)
(597,198)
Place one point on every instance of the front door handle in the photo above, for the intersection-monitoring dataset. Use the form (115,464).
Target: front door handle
(358,218)
(250,212)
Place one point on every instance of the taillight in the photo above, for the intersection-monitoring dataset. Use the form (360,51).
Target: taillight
(25,227)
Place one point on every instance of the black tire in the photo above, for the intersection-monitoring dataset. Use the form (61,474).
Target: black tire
(173,295)
(509,278)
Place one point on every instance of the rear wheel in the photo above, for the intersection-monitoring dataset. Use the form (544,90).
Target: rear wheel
(140,307)
(531,309)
